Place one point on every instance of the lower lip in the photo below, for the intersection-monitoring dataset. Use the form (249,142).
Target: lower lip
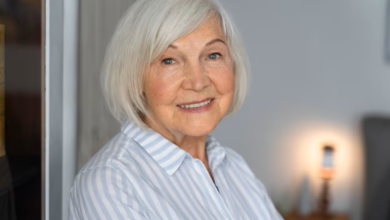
(197,110)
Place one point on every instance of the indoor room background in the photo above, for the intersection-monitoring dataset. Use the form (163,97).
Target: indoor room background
(318,68)
(320,76)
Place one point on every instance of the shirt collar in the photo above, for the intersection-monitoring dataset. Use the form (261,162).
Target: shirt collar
(168,155)
(215,152)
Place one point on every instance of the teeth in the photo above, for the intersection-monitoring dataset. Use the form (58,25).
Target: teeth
(197,105)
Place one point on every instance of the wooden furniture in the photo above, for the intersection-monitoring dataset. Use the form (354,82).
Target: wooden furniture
(315,216)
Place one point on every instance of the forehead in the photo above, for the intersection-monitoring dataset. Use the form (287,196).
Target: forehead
(210,29)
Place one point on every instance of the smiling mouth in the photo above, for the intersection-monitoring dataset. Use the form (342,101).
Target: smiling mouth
(196,105)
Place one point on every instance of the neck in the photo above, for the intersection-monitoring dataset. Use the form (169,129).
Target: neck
(194,145)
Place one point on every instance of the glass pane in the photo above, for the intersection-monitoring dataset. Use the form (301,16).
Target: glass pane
(20,109)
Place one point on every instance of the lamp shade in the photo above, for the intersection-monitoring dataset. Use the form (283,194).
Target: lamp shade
(327,168)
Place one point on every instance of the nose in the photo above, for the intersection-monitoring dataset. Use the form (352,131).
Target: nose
(196,77)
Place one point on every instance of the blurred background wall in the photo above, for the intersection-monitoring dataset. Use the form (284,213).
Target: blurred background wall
(96,126)
(317,68)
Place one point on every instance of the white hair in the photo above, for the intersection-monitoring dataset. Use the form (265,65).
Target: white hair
(143,34)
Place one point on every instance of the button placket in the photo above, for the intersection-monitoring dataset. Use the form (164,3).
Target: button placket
(223,191)
(226,193)
(201,169)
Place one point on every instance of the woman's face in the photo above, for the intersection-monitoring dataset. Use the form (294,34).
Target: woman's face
(191,85)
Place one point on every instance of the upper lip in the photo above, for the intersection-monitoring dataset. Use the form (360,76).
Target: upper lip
(195,102)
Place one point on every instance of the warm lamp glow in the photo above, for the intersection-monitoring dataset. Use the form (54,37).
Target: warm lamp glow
(304,157)
(307,143)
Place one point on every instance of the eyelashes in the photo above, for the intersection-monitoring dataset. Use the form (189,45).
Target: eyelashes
(167,61)
(212,56)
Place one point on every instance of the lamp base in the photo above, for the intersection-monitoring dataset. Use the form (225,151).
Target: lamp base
(323,204)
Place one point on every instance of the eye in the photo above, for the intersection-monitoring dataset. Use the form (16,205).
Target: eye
(214,56)
(167,61)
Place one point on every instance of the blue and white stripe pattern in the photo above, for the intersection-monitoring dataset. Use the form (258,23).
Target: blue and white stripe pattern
(142,175)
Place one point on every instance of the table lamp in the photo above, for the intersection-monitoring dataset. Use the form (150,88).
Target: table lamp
(327,172)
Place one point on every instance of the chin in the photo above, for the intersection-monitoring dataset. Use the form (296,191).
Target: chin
(197,130)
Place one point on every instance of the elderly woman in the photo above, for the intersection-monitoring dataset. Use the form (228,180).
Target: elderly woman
(172,71)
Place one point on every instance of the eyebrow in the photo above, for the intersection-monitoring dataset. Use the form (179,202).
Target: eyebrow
(209,43)
(214,41)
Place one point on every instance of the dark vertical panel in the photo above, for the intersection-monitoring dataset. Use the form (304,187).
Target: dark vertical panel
(22,108)
(376,134)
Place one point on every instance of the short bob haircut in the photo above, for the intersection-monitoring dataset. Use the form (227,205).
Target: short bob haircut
(143,34)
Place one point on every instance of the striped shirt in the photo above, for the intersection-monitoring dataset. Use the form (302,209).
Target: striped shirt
(141,175)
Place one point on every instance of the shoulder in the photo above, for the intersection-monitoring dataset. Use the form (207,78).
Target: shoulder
(233,155)
(104,182)
(114,160)
(238,161)
(119,148)
(215,146)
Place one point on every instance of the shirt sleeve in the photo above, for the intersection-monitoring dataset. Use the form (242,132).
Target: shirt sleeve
(245,169)
(104,193)
(268,202)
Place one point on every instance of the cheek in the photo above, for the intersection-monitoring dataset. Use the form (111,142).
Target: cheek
(228,84)
(161,91)
(224,82)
